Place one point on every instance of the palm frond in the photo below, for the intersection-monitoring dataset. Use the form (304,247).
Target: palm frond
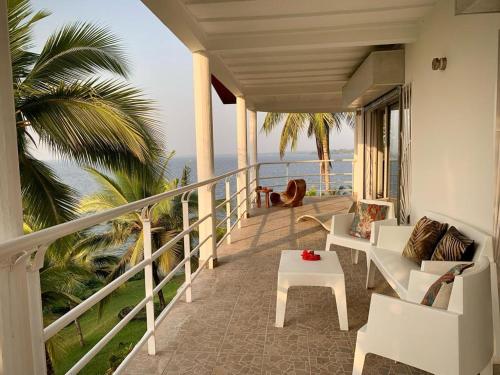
(20,21)
(341,119)
(272,120)
(75,51)
(47,200)
(104,124)
(295,123)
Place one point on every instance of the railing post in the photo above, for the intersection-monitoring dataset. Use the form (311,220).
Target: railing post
(213,223)
(228,210)
(187,246)
(36,311)
(148,279)
(287,172)
(257,172)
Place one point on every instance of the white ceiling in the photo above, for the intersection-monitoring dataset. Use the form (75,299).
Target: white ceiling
(290,55)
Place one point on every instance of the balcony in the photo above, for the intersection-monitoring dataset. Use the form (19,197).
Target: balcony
(229,325)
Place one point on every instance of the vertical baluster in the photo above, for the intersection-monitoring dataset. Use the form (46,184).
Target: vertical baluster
(320,180)
(257,171)
(148,278)
(287,173)
(228,209)
(35,309)
(187,245)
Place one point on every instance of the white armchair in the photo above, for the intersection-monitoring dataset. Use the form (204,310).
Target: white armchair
(458,340)
(341,225)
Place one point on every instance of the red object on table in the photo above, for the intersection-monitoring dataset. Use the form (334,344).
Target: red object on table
(310,256)
(265,190)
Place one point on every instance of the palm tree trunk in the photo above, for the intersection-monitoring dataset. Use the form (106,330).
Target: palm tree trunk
(156,278)
(326,163)
(79,332)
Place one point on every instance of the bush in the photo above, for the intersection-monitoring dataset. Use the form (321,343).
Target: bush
(312,192)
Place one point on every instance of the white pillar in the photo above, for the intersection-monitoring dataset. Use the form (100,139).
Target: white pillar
(204,150)
(252,139)
(16,354)
(241,134)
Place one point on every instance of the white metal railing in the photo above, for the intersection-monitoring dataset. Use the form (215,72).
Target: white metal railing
(319,175)
(31,249)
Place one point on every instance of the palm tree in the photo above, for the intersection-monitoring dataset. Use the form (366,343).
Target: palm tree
(314,124)
(62,103)
(127,231)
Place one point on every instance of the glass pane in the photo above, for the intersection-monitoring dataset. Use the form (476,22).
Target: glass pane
(394,153)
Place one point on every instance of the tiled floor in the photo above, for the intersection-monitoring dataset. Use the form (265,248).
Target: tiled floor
(229,326)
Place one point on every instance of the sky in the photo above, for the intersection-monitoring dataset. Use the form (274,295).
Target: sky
(162,68)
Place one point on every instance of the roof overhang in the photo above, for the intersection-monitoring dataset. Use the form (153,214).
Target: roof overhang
(296,57)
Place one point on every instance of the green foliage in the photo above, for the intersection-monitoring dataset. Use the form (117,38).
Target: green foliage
(126,232)
(314,124)
(95,328)
(61,102)
(312,192)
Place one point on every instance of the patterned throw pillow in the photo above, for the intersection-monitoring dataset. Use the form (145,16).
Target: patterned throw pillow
(365,214)
(438,295)
(423,239)
(454,246)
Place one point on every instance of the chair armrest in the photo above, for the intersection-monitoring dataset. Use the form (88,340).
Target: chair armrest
(419,284)
(376,227)
(438,267)
(393,237)
(341,223)
(401,322)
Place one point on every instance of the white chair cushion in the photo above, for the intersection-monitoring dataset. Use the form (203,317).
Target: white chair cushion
(395,268)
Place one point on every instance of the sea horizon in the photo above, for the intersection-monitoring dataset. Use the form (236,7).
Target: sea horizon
(79,179)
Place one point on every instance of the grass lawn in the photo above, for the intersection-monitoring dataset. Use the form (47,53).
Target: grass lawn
(94,329)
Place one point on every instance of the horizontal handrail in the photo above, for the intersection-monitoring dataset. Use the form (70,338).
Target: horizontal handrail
(87,304)
(303,161)
(29,242)
(308,175)
(107,338)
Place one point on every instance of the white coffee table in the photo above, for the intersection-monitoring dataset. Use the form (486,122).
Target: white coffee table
(327,272)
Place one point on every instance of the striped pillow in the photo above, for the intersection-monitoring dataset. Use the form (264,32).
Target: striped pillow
(423,239)
(439,292)
(454,246)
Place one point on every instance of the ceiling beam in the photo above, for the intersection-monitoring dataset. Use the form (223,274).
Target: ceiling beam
(293,89)
(376,34)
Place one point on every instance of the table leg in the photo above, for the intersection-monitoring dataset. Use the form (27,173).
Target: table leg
(268,200)
(354,256)
(338,289)
(281,304)
(258,199)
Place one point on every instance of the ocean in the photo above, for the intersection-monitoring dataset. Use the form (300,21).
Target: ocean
(80,180)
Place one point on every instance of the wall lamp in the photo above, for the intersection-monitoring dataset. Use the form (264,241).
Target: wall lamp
(439,63)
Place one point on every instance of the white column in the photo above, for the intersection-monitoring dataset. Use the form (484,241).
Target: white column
(204,150)
(16,354)
(241,134)
(252,139)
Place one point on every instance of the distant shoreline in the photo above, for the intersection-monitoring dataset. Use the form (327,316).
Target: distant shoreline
(333,151)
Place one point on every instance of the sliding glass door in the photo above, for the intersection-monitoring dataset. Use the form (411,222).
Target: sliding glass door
(382,149)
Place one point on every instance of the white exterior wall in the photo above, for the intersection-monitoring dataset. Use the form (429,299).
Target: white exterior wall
(453,115)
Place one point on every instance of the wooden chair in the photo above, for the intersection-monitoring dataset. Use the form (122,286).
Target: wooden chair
(293,196)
